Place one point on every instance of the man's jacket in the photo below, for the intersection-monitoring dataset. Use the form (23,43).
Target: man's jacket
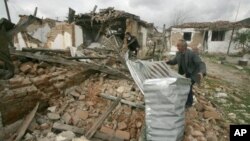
(193,64)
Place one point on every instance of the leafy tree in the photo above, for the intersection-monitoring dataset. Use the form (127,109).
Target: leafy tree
(243,40)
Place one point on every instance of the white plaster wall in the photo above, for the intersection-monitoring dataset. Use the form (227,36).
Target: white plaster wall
(221,46)
(41,33)
(58,42)
(67,40)
(33,45)
(21,43)
(62,41)
(78,36)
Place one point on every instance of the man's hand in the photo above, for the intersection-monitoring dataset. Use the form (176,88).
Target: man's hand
(199,78)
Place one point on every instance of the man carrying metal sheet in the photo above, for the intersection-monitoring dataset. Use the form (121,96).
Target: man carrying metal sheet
(190,64)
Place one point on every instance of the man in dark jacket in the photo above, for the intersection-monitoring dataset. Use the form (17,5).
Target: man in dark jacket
(133,44)
(190,64)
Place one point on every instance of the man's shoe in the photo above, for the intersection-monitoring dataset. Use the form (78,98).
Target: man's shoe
(188,106)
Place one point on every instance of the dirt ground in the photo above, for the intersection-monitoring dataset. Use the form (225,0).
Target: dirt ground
(233,76)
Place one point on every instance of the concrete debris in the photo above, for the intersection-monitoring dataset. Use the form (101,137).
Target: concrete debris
(53,116)
(67,118)
(52,109)
(232,115)
(239,67)
(221,95)
(65,136)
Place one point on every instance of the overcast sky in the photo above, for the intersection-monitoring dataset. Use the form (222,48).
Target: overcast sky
(157,11)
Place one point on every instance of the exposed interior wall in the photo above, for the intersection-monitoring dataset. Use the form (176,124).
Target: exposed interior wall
(41,32)
(144,33)
(132,27)
(55,36)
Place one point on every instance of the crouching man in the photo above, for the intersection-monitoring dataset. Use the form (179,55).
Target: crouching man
(190,65)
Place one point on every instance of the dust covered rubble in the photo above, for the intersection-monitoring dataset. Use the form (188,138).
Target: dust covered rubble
(80,106)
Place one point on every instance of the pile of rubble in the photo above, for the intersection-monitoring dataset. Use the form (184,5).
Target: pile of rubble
(204,121)
(81,106)
(76,98)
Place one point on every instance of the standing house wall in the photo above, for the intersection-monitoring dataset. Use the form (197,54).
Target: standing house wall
(222,46)
(219,46)
(197,40)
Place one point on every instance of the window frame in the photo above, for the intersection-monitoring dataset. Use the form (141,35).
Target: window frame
(189,36)
(218,35)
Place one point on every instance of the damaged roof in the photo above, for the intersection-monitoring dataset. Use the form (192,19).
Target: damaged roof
(108,15)
(214,25)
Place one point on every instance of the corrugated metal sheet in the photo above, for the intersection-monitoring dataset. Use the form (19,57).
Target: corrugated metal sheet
(165,93)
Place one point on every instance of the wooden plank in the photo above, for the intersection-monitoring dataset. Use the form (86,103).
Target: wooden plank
(59,60)
(99,122)
(65,127)
(71,15)
(133,104)
(1,123)
(21,131)
(100,49)
(116,48)
(85,57)
(10,129)
(104,136)
(81,131)
(45,50)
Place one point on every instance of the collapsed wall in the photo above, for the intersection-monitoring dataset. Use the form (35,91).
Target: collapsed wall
(35,82)
(76,99)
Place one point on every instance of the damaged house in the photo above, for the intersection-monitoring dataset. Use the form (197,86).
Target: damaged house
(97,99)
(211,37)
(84,30)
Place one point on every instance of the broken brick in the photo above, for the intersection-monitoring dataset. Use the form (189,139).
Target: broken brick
(107,130)
(122,134)
(82,114)
(67,118)
(26,67)
(122,125)
(211,114)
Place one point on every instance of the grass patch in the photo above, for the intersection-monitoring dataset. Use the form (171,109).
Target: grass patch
(231,106)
